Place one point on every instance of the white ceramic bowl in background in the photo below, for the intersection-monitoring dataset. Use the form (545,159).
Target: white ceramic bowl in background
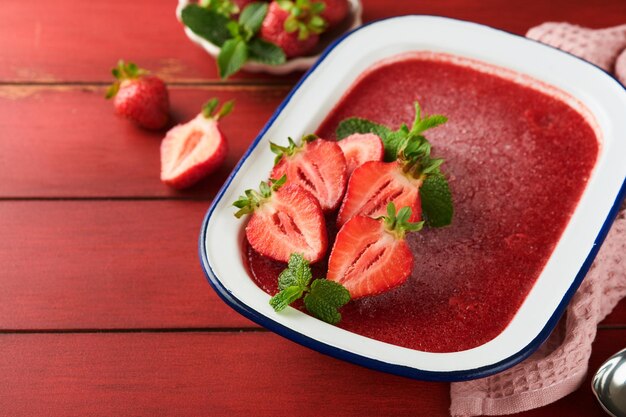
(595,93)
(293,64)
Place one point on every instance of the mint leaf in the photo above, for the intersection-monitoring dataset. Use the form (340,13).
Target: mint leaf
(252,17)
(422,124)
(298,273)
(206,23)
(394,142)
(429,123)
(266,52)
(287,296)
(233,55)
(324,298)
(436,200)
(354,125)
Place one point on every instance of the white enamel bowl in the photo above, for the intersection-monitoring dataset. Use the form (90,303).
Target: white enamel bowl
(294,64)
(596,93)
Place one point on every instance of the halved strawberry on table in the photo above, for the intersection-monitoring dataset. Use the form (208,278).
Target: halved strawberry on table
(371,256)
(317,165)
(285,219)
(360,148)
(193,150)
(293,25)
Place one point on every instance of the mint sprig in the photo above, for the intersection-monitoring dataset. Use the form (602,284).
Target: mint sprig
(411,148)
(237,39)
(322,298)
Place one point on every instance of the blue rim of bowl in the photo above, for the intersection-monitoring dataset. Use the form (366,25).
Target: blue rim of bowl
(402,370)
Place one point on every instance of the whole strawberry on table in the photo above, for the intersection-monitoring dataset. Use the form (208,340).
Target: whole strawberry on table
(375,183)
(139,96)
(268,33)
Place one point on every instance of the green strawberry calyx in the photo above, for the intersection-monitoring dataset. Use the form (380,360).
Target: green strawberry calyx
(304,17)
(124,71)
(254,199)
(223,7)
(209,109)
(397,223)
(291,148)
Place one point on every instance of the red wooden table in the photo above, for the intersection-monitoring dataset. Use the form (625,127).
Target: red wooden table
(104,309)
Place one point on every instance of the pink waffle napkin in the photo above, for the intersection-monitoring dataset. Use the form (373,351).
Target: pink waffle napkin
(559,366)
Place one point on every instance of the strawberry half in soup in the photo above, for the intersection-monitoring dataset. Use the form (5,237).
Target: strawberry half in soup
(316,165)
(370,256)
(360,148)
(373,185)
(284,220)
(409,165)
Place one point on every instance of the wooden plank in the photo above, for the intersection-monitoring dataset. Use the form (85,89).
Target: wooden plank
(70,40)
(36,37)
(67,142)
(111,265)
(104,264)
(220,374)
(505,15)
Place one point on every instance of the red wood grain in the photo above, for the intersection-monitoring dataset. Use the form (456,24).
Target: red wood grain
(111,265)
(73,40)
(148,374)
(67,142)
(103,264)
(503,14)
(133,265)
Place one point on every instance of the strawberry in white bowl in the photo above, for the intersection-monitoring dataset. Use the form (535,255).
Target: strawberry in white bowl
(231,31)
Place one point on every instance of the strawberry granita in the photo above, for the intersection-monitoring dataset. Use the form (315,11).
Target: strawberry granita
(518,155)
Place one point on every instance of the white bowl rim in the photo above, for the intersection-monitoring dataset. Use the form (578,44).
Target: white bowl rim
(361,359)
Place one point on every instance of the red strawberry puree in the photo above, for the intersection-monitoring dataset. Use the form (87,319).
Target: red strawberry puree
(518,160)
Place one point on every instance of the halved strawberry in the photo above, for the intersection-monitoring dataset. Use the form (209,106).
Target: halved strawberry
(192,150)
(359,148)
(317,165)
(370,256)
(373,185)
(285,220)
